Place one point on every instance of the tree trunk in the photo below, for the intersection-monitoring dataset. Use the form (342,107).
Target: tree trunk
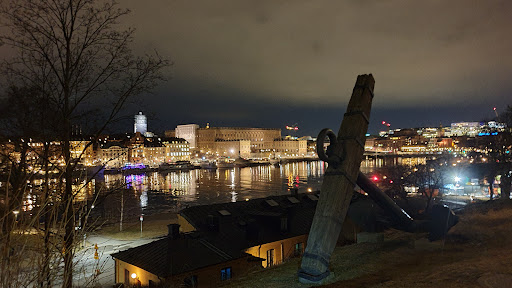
(45,279)
(122,211)
(69,215)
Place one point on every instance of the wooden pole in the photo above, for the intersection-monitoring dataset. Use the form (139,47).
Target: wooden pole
(338,185)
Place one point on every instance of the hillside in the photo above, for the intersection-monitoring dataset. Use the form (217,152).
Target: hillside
(477,252)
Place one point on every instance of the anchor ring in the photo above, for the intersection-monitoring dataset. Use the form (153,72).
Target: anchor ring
(327,156)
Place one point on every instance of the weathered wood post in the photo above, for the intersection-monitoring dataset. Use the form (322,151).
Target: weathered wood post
(344,158)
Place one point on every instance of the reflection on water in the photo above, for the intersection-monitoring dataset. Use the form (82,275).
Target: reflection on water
(370,163)
(157,192)
(149,193)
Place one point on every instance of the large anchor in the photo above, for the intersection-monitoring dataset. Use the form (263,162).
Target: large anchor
(344,155)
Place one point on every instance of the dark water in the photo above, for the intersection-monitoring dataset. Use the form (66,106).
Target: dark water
(155,192)
(152,193)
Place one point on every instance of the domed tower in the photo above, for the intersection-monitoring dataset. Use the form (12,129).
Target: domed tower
(141,123)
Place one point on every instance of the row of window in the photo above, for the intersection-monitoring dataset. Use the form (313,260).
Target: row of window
(193,281)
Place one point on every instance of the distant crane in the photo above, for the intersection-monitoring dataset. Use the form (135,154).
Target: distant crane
(294,127)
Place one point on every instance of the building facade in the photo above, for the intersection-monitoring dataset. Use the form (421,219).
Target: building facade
(212,140)
(233,148)
(113,155)
(176,149)
(187,132)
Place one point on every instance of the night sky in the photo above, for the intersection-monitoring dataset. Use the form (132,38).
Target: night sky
(273,63)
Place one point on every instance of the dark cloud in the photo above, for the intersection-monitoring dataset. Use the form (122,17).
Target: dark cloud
(241,60)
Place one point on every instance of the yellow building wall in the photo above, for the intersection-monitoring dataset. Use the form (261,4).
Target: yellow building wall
(185,226)
(209,276)
(283,249)
(142,275)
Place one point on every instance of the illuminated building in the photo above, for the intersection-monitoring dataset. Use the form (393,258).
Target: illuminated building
(288,148)
(470,129)
(429,132)
(136,148)
(83,150)
(260,138)
(113,155)
(154,153)
(233,148)
(141,123)
(176,149)
(204,140)
(187,132)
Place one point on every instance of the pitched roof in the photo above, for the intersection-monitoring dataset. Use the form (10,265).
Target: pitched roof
(166,257)
(253,222)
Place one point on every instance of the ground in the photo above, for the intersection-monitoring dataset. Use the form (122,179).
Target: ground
(109,240)
(476,253)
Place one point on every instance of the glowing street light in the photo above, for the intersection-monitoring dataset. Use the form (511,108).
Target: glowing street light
(457,179)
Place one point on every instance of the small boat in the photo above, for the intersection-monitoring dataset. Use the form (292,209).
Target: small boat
(241,162)
(178,166)
(225,165)
(208,165)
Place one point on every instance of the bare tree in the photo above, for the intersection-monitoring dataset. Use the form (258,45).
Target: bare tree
(429,178)
(74,53)
(394,180)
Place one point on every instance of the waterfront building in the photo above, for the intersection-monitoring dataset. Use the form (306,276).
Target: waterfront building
(233,148)
(287,149)
(187,132)
(417,149)
(260,138)
(204,140)
(176,149)
(113,155)
(136,148)
(83,151)
(154,153)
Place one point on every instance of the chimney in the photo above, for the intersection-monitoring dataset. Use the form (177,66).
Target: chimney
(174,231)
